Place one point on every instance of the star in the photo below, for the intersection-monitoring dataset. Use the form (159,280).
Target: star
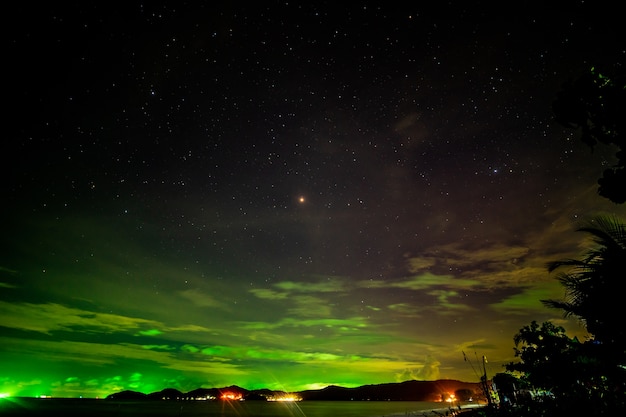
(159,220)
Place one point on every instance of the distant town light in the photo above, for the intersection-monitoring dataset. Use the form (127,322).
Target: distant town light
(231,396)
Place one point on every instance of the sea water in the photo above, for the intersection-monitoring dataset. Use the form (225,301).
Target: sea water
(102,408)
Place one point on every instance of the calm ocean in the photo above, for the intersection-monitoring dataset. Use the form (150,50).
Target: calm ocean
(102,408)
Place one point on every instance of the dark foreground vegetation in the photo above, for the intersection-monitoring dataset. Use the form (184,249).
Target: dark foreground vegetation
(557,375)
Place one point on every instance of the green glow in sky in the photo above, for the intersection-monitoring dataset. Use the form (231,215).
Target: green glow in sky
(282,196)
(285,342)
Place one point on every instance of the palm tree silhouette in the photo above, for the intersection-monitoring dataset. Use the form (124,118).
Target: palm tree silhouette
(594,283)
(594,294)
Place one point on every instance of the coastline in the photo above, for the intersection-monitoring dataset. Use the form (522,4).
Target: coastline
(104,408)
(467,410)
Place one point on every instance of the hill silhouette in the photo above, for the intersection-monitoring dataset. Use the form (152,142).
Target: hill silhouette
(411,390)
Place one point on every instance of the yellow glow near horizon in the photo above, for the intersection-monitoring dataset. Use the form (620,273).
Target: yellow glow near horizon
(287,398)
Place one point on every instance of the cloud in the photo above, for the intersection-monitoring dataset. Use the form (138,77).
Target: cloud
(309,306)
(528,300)
(328,285)
(405,309)
(49,317)
(241,354)
(291,322)
(150,332)
(159,347)
(420,264)
(495,266)
(429,371)
(8,270)
(78,353)
(201,299)
(428,280)
(423,281)
(188,328)
(447,306)
(459,257)
(268,294)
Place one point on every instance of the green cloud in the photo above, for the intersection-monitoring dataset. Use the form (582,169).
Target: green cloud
(329,285)
(151,332)
(159,347)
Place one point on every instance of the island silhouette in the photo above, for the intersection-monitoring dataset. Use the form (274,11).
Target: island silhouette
(443,390)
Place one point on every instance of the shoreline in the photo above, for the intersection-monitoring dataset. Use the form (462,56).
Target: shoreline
(28,406)
(441,412)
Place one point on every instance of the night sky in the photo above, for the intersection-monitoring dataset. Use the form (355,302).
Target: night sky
(287,194)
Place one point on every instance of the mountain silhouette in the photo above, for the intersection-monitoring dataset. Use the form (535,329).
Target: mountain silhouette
(412,390)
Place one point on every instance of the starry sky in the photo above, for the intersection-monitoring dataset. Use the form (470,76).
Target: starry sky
(287,194)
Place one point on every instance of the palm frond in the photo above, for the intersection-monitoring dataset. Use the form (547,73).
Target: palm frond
(593,283)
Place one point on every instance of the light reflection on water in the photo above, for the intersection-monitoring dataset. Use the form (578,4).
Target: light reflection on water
(101,408)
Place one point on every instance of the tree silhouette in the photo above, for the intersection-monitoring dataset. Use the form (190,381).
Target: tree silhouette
(572,375)
(594,295)
(585,378)
(594,283)
(547,357)
(596,103)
